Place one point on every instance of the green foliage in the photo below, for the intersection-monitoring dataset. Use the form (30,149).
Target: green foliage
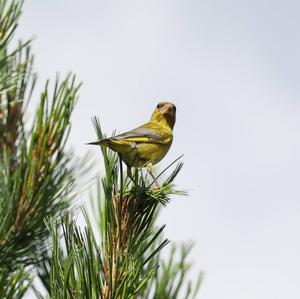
(9,16)
(38,182)
(38,232)
(14,285)
(36,172)
(126,262)
(170,279)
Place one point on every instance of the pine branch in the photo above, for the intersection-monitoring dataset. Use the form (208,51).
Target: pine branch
(36,173)
(170,279)
(9,15)
(14,285)
(125,263)
(37,182)
(42,179)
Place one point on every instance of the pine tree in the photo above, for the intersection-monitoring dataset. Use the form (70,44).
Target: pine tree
(38,177)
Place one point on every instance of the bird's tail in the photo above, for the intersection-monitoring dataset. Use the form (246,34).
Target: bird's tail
(102,142)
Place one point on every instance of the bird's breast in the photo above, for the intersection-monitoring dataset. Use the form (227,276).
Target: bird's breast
(150,152)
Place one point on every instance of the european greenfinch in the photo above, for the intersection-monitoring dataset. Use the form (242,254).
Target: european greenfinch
(148,144)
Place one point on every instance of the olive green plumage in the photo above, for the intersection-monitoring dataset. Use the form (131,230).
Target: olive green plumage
(147,144)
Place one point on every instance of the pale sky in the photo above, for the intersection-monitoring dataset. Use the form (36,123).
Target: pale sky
(232,69)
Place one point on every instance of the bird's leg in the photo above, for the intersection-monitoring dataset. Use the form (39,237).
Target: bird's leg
(149,169)
(129,173)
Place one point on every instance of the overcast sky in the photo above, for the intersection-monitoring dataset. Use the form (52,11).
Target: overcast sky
(232,69)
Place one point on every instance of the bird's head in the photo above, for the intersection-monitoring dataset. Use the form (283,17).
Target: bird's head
(165,112)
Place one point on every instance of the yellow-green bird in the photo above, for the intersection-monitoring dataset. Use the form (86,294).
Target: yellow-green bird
(148,144)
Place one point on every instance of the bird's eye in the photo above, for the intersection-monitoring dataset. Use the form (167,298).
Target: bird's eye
(159,106)
(174,108)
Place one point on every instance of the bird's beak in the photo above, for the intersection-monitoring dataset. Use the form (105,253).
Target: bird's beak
(167,109)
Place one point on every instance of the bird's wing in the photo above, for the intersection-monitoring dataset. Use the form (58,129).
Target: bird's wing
(140,135)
